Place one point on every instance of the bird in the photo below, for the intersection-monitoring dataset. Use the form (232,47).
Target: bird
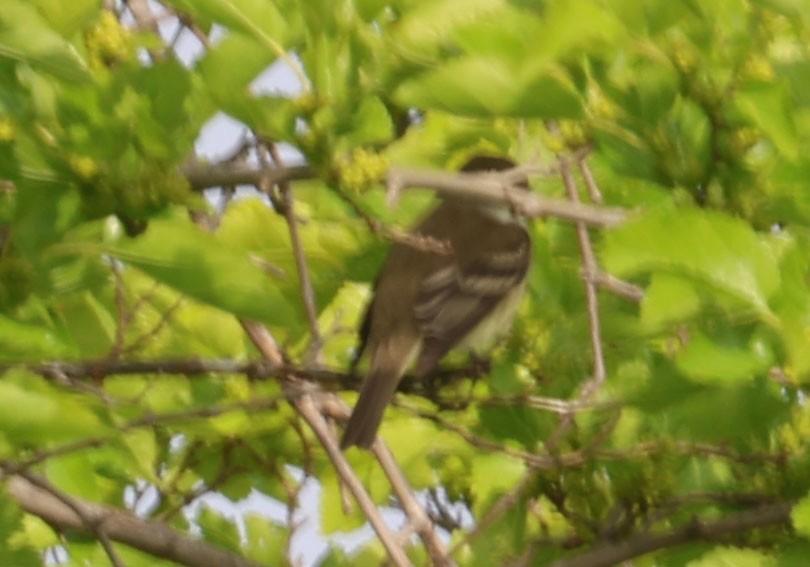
(426,303)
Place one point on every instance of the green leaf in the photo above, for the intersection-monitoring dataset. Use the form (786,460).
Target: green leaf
(266,541)
(333,515)
(678,406)
(33,411)
(181,255)
(800,516)
(734,557)
(490,86)
(271,116)
(20,340)
(571,25)
(68,18)
(371,123)
(163,88)
(502,540)
(261,20)
(668,299)
(795,553)
(25,36)
(218,529)
(768,107)
(793,306)
(142,446)
(15,544)
(491,475)
(424,29)
(710,361)
(708,247)
(89,323)
(227,71)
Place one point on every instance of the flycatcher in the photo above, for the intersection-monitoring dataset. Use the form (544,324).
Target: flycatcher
(426,303)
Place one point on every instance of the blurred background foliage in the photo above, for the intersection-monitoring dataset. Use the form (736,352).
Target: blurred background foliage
(697,116)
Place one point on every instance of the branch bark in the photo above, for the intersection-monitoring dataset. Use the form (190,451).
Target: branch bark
(486,188)
(615,553)
(150,537)
(489,188)
(303,401)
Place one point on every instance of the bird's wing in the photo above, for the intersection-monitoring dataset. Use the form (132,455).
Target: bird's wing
(454,299)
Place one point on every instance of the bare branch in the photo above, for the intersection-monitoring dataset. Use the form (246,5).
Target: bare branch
(590,271)
(590,181)
(488,188)
(301,395)
(203,176)
(304,281)
(475,187)
(150,537)
(93,525)
(313,417)
(619,287)
(417,516)
(418,241)
(142,14)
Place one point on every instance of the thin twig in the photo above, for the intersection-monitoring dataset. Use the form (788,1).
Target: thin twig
(418,241)
(417,516)
(153,419)
(313,356)
(146,336)
(301,396)
(614,285)
(195,30)
(309,411)
(142,14)
(590,271)
(590,181)
(145,20)
(10,467)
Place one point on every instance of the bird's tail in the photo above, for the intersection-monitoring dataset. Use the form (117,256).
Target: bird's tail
(378,389)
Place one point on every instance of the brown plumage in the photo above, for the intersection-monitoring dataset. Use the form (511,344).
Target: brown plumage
(426,303)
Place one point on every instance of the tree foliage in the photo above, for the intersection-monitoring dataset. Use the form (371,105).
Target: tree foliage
(650,402)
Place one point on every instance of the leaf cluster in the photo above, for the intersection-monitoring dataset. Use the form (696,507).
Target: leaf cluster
(695,119)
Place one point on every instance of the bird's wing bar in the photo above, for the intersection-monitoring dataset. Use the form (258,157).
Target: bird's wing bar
(453,300)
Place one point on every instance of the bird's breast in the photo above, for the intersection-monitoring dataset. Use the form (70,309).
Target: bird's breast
(494,326)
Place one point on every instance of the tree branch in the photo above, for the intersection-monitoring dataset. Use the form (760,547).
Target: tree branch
(92,524)
(590,272)
(150,537)
(696,530)
(313,356)
(204,176)
(302,400)
(418,517)
(475,187)
(489,188)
